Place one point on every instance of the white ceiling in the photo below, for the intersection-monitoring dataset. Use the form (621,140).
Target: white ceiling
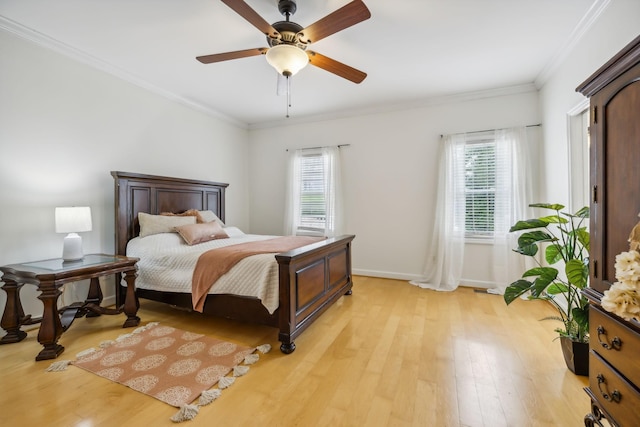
(412,50)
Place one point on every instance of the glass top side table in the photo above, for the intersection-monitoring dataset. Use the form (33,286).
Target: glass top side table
(49,275)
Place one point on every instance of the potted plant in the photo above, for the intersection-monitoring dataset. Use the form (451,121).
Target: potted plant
(564,238)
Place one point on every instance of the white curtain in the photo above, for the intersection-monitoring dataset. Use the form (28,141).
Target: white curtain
(513,196)
(292,195)
(445,257)
(332,190)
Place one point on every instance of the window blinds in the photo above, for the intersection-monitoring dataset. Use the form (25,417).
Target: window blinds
(480,187)
(312,193)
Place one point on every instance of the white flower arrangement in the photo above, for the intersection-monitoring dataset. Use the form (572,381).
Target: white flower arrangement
(623,298)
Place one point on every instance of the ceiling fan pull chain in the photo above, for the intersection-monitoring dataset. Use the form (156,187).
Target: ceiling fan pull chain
(288,95)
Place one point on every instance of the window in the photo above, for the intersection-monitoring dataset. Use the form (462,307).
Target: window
(480,187)
(314,196)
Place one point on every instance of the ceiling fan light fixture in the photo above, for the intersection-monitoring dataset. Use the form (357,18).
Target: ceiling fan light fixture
(287,59)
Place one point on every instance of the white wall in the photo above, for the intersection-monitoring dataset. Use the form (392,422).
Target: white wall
(64,126)
(389,173)
(618,25)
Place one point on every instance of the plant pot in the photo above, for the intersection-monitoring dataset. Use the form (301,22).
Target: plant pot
(576,356)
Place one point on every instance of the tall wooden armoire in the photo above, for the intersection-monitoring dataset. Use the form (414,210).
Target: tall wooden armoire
(614,359)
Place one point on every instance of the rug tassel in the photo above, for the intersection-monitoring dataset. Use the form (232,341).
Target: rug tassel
(105,344)
(60,365)
(264,348)
(251,359)
(123,337)
(145,327)
(208,396)
(186,413)
(85,352)
(225,382)
(240,370)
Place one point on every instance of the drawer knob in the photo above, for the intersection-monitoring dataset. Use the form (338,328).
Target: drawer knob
(615,344)
(613,397)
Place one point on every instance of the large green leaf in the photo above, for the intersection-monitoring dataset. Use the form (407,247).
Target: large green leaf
(552,206)
(544,280)
(583,212)
(577,273)
(541,271)
(528,224)
(581,317)
(554,219)
(533,237)
(557,288)
(530,250)
(553,253)
(543,277)
(583,237)
(528,242)
(516,289)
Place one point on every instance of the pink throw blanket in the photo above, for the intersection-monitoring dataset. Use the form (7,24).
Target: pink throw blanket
(214,263)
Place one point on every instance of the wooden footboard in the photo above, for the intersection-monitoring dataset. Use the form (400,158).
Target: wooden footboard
(312,278)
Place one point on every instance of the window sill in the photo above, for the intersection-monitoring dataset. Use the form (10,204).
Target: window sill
(479,240)
(310,233)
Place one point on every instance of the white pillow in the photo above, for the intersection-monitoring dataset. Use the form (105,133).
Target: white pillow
(233,231)
(209,216)
(155,224)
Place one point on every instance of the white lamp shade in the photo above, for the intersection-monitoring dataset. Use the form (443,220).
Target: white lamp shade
(287,59)
(73,219)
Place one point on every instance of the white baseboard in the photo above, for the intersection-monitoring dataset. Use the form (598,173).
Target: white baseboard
(386,274)
(477,284)
(403,276)
(108,301)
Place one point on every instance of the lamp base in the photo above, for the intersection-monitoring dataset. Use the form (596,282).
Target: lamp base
(72,247)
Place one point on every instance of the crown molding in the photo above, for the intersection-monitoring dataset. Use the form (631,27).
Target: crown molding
(593,14)
(401,106)
(78,55)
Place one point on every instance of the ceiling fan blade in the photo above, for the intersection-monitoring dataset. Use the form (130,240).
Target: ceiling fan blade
(348,15)
(335,67)
(244,10)
(218,57)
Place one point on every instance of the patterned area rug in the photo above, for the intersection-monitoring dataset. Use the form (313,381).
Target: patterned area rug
(172,365)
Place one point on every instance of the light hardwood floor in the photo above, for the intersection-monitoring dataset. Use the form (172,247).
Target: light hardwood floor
(389,355)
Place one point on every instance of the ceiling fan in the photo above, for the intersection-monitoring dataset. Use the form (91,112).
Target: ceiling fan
(288,41)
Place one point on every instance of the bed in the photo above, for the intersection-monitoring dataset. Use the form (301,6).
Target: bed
(309,279)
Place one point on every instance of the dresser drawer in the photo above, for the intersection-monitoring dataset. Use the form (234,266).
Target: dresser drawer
(615,395)
(615,342)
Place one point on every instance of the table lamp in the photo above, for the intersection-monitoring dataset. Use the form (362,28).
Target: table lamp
(73,220)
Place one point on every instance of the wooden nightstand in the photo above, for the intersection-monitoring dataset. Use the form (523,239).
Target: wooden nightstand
(49,276)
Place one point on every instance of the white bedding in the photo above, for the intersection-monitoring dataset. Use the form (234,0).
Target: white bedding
(167,263)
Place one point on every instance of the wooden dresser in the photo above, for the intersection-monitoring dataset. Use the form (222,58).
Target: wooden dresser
(614,359)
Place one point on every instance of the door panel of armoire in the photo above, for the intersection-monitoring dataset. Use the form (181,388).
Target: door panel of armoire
(615,139)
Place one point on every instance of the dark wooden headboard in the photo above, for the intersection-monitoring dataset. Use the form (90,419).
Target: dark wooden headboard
(156,194)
